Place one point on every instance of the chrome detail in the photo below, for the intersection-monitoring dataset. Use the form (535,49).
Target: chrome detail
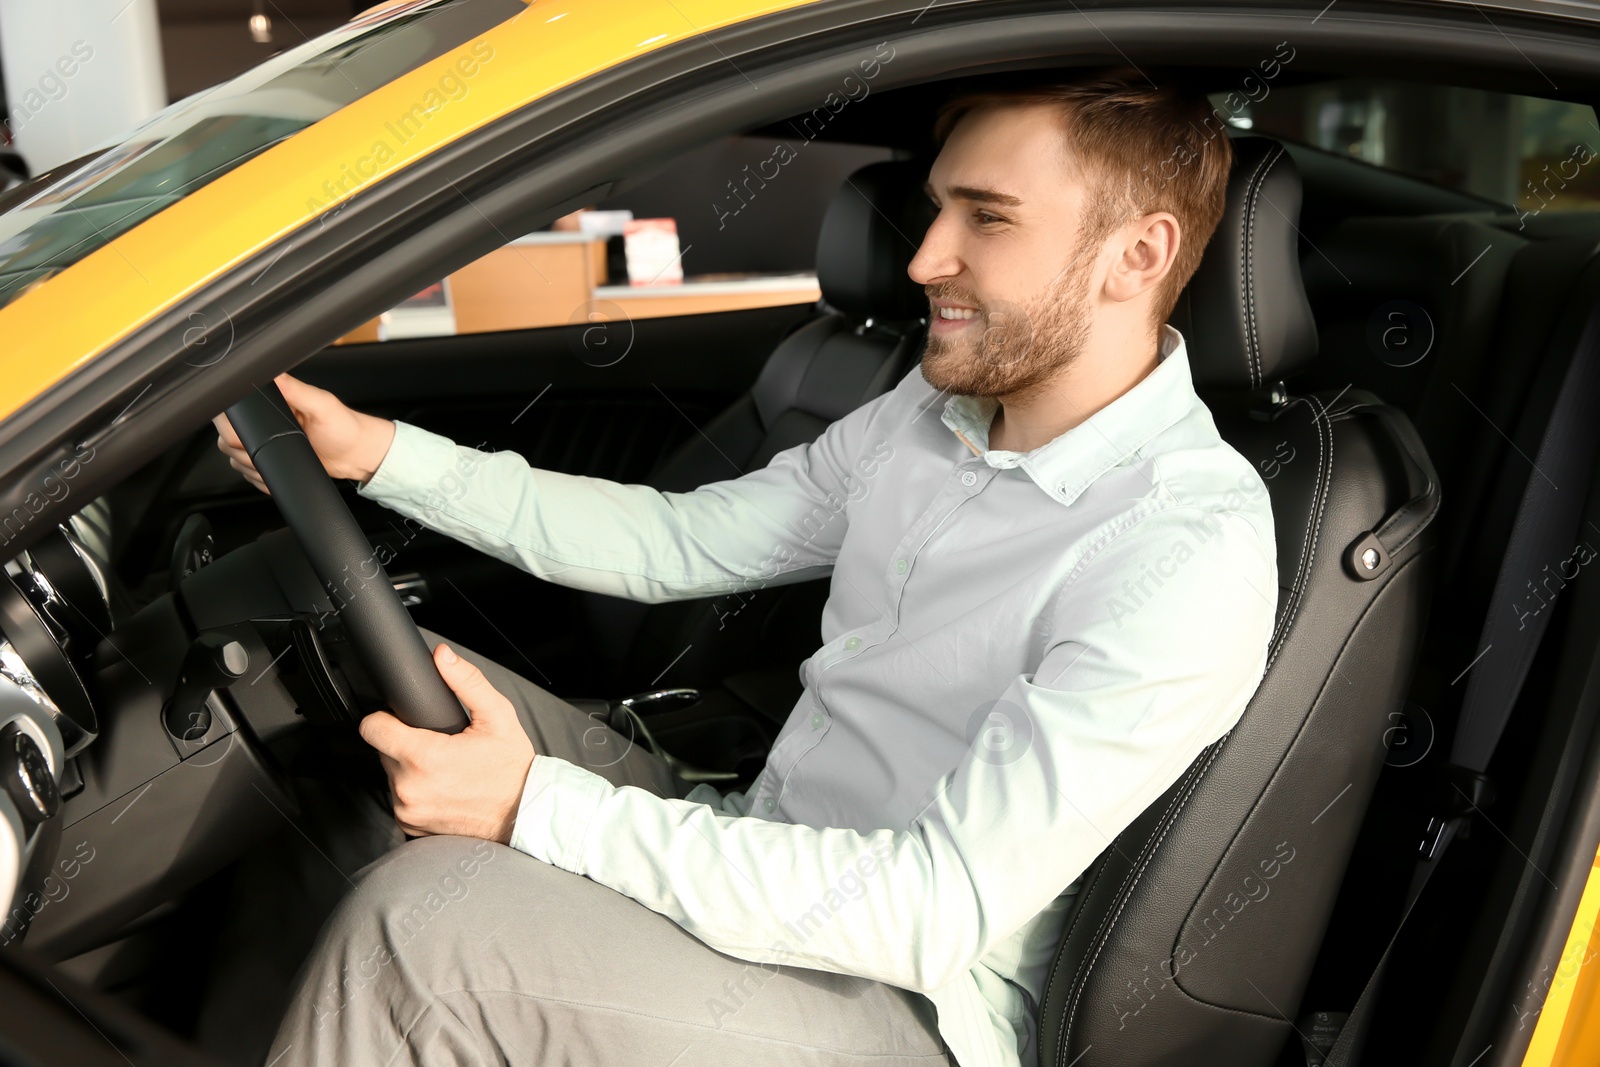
(36,786)
(91,560)
(659,700)
(72,736)
(38,590)
(17,844)
(687,771)
(15,671)
(413,589)
(39,578)
(656,701)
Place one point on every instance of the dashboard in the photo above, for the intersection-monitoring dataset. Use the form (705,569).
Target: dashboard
(54,605)
(132,767)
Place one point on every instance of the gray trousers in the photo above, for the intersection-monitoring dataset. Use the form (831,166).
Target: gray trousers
(453,950)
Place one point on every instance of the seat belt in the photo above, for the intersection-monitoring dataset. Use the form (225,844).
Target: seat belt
(1545,529)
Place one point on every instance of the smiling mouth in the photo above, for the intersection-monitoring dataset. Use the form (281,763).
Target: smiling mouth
(952,314)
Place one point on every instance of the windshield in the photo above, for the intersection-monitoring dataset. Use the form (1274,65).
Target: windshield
(71,211)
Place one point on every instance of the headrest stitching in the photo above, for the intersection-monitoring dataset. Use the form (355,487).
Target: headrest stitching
(1246,254)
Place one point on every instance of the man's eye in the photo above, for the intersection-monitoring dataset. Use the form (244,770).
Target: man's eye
(985,218)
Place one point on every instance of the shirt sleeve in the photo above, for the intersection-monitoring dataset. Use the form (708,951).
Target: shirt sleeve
(1125,697)
(782,523)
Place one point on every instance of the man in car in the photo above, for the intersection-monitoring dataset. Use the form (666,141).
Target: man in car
(1053,585)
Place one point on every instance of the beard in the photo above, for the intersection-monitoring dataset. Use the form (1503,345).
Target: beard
(1012,350)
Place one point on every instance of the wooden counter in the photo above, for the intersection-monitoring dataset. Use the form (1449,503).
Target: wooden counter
(553,279)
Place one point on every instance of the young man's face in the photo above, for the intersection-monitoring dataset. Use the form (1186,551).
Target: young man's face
(1005,250)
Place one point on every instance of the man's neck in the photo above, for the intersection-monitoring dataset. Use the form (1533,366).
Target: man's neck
(1024,422)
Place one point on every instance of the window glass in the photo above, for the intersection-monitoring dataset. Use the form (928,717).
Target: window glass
(729,226)
(64,215)
(1523,151)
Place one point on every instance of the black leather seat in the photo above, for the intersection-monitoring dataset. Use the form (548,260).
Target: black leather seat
(1195,932)
(867,332)
(1194,935)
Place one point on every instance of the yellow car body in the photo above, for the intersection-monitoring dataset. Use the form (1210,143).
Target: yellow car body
(70,318)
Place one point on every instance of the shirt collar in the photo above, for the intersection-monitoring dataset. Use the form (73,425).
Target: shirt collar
(1069,464)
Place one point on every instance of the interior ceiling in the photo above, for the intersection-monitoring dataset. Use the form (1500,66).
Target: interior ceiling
(226,10)
(903,117)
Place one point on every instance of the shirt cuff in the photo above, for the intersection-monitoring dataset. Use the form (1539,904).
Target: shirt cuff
(413,469)
(558,802)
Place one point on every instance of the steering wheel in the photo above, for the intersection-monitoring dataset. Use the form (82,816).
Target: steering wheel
(381,631)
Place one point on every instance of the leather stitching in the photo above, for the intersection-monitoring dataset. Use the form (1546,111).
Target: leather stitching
(1247,225)
(1308,548)
(1076,987)
(1277,775)
(1415,506)
(1169,817)
(1124,892)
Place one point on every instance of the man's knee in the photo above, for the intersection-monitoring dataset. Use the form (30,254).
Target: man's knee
(422,886)
(416,916)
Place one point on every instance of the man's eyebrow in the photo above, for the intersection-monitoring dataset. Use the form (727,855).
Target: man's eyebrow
(979,195)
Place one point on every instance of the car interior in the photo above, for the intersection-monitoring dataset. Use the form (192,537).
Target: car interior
(1385,346)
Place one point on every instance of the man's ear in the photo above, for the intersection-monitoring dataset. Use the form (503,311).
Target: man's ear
(1149,248)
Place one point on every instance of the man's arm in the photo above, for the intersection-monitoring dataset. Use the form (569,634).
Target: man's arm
(782,523)
(1120,705)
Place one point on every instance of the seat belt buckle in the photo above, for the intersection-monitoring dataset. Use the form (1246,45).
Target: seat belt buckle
(1432,836)
(1463,794)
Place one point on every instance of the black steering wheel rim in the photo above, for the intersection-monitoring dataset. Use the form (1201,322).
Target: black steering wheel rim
(390,645)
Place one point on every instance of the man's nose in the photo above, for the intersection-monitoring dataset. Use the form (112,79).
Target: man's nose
(935,260)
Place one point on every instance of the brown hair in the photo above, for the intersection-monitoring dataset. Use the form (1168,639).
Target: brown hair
(1144,149)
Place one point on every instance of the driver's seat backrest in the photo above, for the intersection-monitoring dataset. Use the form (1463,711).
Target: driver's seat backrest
(1193,936)
(867,333)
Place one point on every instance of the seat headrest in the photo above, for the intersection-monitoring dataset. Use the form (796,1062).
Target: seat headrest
(873,227)
(1244,315)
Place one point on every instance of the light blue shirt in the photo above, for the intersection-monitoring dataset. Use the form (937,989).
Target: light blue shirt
(1020,652)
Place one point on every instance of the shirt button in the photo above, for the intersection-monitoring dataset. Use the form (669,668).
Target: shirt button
(852,644)
(900,566)
(969,478)
(769,803)
(816,722)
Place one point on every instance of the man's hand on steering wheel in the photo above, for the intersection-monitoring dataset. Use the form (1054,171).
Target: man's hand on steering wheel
(350,444)
(295,438)
(470,783)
